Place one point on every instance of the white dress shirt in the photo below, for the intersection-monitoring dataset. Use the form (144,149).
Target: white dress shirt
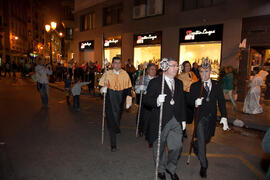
(209,83)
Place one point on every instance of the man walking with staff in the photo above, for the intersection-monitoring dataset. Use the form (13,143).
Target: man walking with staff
(205,95)
(171,105)
(117,89)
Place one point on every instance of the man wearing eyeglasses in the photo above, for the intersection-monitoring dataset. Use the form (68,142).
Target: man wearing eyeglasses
(173,119)
(117,88)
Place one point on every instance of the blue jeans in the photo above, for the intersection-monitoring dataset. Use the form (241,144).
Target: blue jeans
(225,91)
(44,94)
(76,102)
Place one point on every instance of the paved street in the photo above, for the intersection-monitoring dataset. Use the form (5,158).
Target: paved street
(61,144)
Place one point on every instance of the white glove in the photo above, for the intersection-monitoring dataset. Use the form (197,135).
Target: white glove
(161,99)
(128,102)
(198,102)
(103,90)
(183,125)
(142,87)
(225,123)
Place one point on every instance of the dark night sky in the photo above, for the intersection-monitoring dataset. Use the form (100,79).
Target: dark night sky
(52,10)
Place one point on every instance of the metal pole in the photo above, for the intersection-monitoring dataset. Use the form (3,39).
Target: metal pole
(104,95)
(104,103)
(140,104)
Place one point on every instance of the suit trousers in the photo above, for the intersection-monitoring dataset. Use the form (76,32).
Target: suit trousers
(171,135)
(203,137)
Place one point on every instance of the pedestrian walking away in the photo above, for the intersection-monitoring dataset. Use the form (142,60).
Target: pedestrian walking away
(117,89)
(205,125)
(173,119)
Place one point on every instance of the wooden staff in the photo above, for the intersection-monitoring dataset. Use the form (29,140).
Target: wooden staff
(195,126)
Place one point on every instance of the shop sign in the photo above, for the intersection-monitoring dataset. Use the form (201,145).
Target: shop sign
(112,42)
(147,38)
(86,45)
(202,33)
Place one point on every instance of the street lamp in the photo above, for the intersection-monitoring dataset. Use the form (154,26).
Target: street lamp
(48,30)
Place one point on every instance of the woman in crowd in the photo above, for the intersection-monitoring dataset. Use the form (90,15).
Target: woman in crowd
(188,77)
(228,85)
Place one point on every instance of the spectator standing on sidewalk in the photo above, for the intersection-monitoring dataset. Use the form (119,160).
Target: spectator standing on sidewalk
(91,78)
(14,69)
(42,81)
(130,69)
(76,92)
(195,69)
(7,69)
(228,85)
(68,82)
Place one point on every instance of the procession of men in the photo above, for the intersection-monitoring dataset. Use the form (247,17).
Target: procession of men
(162,111)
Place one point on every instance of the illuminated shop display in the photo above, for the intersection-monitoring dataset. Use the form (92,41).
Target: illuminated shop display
(112,47)
(147,48)
(202,42)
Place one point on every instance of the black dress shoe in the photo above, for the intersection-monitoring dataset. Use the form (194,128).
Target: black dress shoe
(203,173)
(173,176)
(113,149)
(162,176)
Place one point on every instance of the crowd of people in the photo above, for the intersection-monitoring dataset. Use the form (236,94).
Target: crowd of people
(189,96)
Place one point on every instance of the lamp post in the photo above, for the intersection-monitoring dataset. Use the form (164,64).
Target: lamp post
(49,29)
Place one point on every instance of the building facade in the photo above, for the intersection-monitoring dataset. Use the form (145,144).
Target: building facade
(148,30)
(20,29)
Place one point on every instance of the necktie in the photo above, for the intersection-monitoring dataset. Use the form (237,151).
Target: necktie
(172,85)
(206,87)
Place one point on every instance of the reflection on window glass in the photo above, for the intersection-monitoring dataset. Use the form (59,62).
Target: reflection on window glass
(109,53)
(146,54)
(197,52)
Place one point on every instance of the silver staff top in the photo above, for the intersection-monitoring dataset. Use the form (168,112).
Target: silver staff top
(206,63)
(164,65)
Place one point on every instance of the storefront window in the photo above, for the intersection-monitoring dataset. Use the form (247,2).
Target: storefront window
(112,52)
(112,47)
(146,53)
(196,52)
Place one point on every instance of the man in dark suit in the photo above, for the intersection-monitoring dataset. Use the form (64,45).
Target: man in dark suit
(205,127)
(173,119)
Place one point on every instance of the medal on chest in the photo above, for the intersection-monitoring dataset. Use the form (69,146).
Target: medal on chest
(172,102)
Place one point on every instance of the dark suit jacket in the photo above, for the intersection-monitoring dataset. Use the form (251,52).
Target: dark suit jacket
(209,109)
(150,101)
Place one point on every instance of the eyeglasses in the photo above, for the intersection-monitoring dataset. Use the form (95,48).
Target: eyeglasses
(174,66)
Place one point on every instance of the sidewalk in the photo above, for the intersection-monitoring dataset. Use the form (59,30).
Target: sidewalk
(254,121)
(259,122)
